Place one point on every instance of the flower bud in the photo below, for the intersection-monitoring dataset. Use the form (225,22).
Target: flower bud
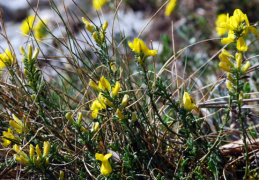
(240,98)
(33,97)
(38,151)
(96,38)
(108,102)
(230,78)
(95,126)
(239,60)
(31,151)
(35,53)
(120,115)
(79,118)
(89,26)
(47,161)
(116,89)
(34,160)
(102,37)
(61,175)
(46,148)
(246,67)
(82,129)
(26,72)
(229,86)
(125,100)
(22,51)
(225,59)
(105,25)
(224,67)
(29,53)
(69,118)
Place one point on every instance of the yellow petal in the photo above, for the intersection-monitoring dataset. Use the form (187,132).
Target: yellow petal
(241,44)
(99,157)
(170,7)
(239,60)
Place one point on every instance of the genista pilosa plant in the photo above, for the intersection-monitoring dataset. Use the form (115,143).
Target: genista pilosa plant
(113,111)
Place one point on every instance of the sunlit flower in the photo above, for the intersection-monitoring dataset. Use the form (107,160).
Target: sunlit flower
(188,102)
(170,7)
(17,124)
(27,25)
(6,57)
(97,105)
(105,167)
(138,46)
(241,44)
(221,19)
(98,4)
(38,151)
(104,84)
(8,135)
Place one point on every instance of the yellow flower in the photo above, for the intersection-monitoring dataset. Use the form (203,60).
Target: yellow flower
(221,19)
(98,4)
(17,149)
(17,124)
(230,38)
(6,57)
(170,7)
(188,102)
(105,25)
(8,135)
(89,26)
(27,25)
(40,29)
(138,46)
(116,89)
(241,44)
(98,105)
(224,67)
(104,84)
(69,118)
(105,167)
(235,22)
(46,147)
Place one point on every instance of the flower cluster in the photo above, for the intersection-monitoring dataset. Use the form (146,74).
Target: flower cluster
(188,102)
(39,28)
(98,34)
(238,28)
(103,87)
(39,159)
(8,136)
(139,47)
